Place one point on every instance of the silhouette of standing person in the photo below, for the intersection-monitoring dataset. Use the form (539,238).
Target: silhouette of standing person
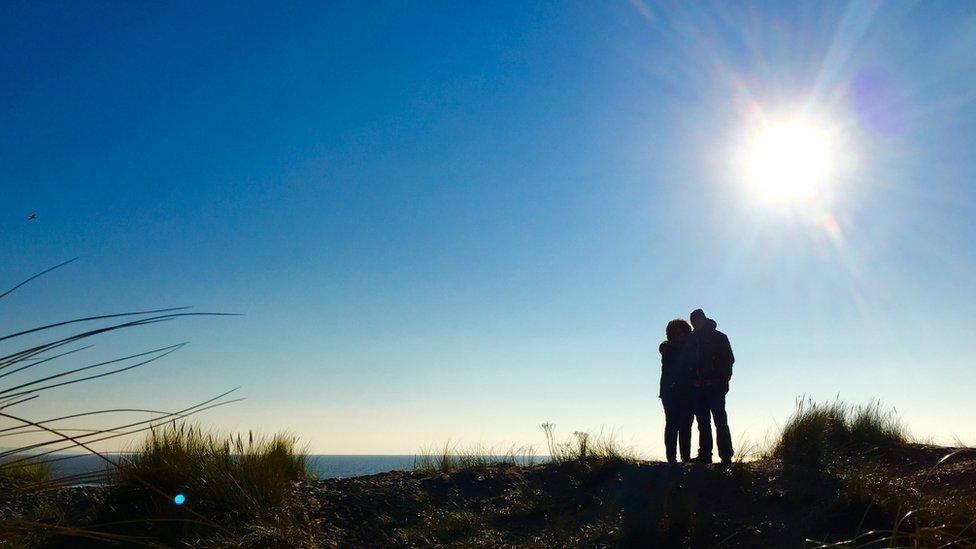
(675,391)
(711,358)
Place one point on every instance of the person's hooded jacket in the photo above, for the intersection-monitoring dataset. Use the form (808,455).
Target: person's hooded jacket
(711,356)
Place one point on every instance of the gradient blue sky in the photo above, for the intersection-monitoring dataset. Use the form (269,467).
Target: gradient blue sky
(459,220)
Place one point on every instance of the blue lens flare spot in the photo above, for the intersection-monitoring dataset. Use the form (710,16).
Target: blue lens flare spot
(179,499)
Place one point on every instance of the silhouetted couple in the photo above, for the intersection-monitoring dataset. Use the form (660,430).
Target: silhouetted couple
(696,366)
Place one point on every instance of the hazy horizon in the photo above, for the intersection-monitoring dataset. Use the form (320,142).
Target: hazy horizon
(449,222)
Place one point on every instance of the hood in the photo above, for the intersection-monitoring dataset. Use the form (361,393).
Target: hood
(712,324)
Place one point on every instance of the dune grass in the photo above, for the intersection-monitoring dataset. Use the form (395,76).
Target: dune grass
(862,448)
(42,359)
(453,457)
(25,474)
(924,516)
(243,486)
(582,447)
(16,480)
(820,436)
(585,447)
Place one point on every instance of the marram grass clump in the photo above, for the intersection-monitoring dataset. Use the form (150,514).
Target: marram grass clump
(453,457)
(868,453)
(240,489)
(23,475)
(818,435)
(583,447)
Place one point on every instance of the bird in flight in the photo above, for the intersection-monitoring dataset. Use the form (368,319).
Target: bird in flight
(32,217)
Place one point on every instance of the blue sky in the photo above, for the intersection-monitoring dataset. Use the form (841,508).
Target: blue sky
(462,220)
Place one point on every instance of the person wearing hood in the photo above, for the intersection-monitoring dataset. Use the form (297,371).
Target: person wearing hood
(675,391)
(711,369)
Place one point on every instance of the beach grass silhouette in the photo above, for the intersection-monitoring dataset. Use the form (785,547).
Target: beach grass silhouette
(39,365)
(245,483)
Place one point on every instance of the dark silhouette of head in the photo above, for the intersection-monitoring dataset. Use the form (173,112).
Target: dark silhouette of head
(677,330)
(698,319)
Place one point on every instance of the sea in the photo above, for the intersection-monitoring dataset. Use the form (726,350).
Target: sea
(322,466)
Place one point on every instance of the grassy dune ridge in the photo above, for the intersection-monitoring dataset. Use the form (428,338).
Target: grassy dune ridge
(837,475)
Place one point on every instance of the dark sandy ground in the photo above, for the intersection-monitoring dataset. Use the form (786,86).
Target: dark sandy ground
(611,503)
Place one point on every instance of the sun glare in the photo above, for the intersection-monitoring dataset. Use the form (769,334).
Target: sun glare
(789,162)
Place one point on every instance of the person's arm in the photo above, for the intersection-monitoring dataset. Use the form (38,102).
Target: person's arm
(728,358)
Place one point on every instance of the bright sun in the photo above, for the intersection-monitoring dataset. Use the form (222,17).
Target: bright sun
(788,162)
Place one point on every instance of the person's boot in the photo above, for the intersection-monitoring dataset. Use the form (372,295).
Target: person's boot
(705,460)
(727,461)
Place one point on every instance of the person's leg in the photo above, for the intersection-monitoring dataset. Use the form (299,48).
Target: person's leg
(723,434)
(686,417)
(702,416)
(670,429)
